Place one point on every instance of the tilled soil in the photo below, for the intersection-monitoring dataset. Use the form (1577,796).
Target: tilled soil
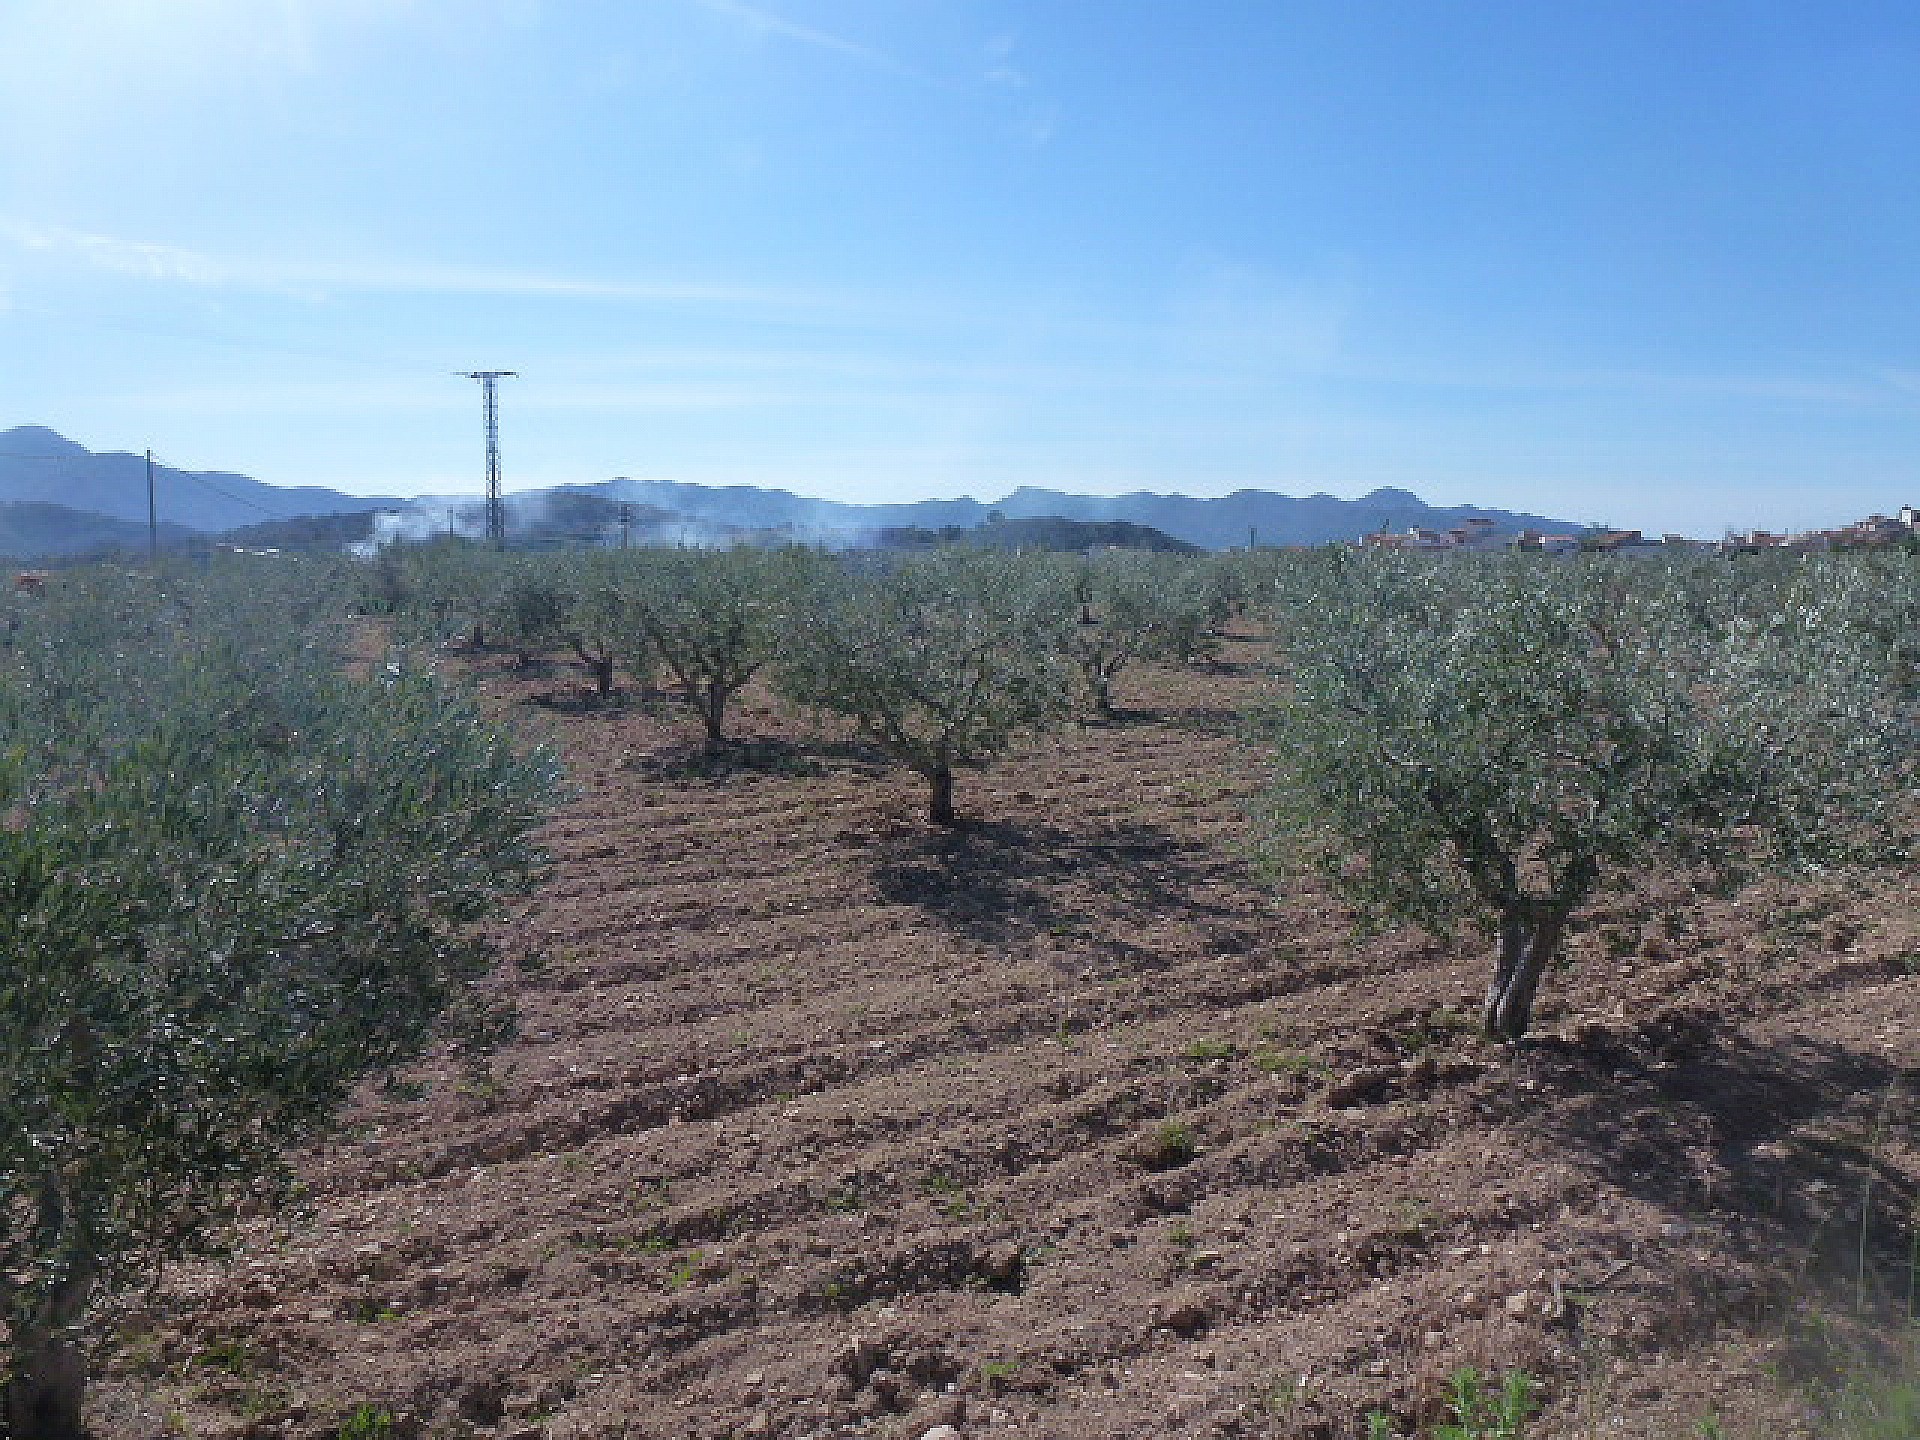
(820,1121)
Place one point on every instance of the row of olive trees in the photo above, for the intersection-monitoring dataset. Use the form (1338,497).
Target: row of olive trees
(945,659)
(941,659)
(238,872)
(1483,739)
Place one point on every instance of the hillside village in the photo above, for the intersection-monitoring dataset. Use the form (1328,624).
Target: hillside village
(1874,532)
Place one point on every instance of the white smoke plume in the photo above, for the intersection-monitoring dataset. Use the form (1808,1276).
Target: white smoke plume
(424,521)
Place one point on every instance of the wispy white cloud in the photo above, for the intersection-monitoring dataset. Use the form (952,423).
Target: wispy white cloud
(1001,72)
(1034,124)
(760,21)
(1228,328)
(103,252)
(1027,117)
(173,264)
(1020,114)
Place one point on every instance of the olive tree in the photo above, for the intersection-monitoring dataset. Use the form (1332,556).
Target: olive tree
(599,617)
(1132,606)
(1497,740)
(530,605)
(714,619)
(442,589)
(599,628)
(1888,616)
(940,659)
(237,874)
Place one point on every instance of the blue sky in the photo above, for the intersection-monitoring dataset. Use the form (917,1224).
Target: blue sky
(1654,264)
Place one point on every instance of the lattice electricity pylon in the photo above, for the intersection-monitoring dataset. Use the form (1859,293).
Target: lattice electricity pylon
(496,511)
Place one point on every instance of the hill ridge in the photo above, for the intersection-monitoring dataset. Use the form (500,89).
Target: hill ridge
(38,464)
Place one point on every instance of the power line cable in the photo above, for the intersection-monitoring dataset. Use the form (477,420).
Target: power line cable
(202,481)
(192,475)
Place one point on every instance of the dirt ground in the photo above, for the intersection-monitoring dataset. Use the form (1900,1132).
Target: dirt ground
(820,1122)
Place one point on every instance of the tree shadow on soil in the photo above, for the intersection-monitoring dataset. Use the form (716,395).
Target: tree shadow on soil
(1229,721)
(586,699)
(1121,717)
(1691,1114)
(693,760)
(1001,881)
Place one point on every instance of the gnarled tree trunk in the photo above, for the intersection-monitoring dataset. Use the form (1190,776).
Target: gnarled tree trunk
(1103,693)
(598,666)
(1527,946)
(48,1382)
(44,1395)
(713,713)
(940,795)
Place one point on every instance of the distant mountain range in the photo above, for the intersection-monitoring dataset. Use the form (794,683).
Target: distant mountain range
(57,498)
(38,464)
(1263,516)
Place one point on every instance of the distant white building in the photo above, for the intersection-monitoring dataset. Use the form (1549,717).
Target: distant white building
(1868,534)
(1477,533)
(1545,543)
